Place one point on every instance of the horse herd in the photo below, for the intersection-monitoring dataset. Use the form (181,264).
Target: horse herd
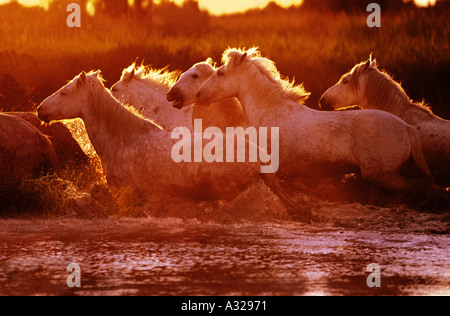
(393,143)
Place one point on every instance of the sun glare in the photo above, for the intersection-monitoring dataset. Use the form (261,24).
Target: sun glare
(231,6)
(30,3)
(90,7)
(425,3)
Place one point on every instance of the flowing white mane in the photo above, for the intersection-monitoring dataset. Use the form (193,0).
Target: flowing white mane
(206,68)
(161,78)
(383,92)
(265,70)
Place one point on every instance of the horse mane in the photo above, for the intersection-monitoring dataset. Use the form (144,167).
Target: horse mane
(280,88)
(384,92)
(206,68)
(162,78)
(123,120)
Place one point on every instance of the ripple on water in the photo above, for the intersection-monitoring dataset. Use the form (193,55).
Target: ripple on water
(150,256)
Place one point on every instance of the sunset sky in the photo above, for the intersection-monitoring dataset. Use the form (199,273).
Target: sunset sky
(214,6)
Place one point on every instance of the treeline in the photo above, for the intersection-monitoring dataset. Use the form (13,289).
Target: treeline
(147,7)
(358,5)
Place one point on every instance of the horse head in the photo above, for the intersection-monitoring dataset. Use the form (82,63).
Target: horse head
(68,102)
(349,90)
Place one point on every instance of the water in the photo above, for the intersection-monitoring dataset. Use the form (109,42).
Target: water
(170,256)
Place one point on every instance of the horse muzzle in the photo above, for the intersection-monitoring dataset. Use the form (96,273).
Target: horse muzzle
(174,95)
(43,116)
(324,105)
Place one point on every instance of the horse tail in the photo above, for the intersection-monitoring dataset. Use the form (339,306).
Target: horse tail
(417,152)
(295,211)
(52,161)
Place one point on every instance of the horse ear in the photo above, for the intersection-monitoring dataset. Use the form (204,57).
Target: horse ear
(82,79)
(367,65)
(242,59)
(374,63)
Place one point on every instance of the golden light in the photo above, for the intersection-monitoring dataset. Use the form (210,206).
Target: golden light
(90,7)
(232,6)
(30,3)
(425,3)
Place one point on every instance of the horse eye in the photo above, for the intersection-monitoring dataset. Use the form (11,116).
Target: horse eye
(63,93)
(195,76)
(345,81)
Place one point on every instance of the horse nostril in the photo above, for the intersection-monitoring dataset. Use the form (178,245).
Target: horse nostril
(324,105)
(197,95)
(41,115)
(173,95)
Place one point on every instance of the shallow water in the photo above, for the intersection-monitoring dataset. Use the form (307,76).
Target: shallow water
(171,256)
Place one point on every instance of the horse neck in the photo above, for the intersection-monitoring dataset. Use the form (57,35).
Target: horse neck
(261,100)
(400,106)
(109,124)
(389,97)
(225,111)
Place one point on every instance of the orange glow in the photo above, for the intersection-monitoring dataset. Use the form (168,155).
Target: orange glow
(90,7)
(30,3)
(213,6)
(425,3)
(232,6)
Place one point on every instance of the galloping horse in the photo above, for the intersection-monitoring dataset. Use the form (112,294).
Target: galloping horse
(371,88)
(145,89)
(136,152)
(377,142)
(222,114)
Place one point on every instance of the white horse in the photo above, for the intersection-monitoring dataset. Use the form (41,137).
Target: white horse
(135,152)
(222,114)
(371,88)
(377,142)
(146,89)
